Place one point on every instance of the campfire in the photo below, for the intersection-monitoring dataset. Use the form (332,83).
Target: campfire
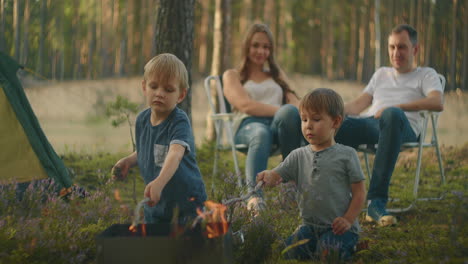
(207,240)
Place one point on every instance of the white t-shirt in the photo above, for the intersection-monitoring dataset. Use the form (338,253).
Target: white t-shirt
(388,88)
(267,92)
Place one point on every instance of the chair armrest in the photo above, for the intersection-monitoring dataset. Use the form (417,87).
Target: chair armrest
(427,113)
(224,116)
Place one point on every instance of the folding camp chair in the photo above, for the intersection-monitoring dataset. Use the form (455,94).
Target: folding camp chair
(421,144)
(223,121)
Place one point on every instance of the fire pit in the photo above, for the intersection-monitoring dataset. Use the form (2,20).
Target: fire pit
(119,245)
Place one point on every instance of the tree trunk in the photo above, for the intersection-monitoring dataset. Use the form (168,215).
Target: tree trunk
(353,46)
(428,40)
(377,34)
(330,47)
(412,17)
(269,16)
(226,35)
(362,45)
(25,46)
(420,28)
(42,34)
(2,26)
(465,49)
(91,38)
(217,62)
(174,34)
(204,24)
(116,28)
(453,48)
(106,38)
(123,41)
(131,62)
(16,29)
(340,64)
(143,36)
(76,62)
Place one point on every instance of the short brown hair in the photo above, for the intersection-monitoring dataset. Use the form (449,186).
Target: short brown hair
(323,100)
(412,33)
(167,67)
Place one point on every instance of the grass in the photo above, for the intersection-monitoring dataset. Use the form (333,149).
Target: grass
(43,228)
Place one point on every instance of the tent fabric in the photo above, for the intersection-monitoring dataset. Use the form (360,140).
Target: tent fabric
(20,153)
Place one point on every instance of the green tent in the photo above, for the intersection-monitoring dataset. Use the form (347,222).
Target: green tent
(26,154)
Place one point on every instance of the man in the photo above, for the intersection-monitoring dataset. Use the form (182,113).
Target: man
(395,95)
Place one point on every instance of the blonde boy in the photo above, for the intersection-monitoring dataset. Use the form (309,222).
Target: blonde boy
(165,150)
(329,179)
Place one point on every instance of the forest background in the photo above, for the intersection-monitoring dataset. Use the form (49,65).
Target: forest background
(79,55)
(90,39)
(82,53)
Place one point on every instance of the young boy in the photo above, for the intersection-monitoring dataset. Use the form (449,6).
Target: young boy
(329,179)
(165,150)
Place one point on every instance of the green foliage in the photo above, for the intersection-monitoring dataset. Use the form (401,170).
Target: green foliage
(43,228)
(122,110)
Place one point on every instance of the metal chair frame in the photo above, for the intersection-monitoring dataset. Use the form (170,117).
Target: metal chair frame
(223,121)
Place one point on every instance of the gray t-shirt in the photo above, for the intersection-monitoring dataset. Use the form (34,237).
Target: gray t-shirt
(323,181)
(186,189)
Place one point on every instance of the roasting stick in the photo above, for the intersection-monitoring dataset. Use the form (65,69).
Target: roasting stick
(229,202)
(244,197)
(136,216)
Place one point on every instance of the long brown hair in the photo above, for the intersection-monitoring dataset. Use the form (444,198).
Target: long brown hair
(274,68)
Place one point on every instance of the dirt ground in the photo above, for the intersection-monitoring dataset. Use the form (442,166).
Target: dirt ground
(72,112)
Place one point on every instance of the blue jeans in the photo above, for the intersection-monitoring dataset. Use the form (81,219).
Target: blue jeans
(389,132)
(321,241)
(260,133)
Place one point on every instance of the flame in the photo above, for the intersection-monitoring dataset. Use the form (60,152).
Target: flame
(134,229)
(64,191)
(117,195)
(191,199)
(215,218)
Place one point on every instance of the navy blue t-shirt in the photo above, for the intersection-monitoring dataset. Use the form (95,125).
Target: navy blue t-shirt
(186,189)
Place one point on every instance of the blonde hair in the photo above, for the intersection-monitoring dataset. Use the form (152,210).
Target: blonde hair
(272,65)
(167,67)
(323,100)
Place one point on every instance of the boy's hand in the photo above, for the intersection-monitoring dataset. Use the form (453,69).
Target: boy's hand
(269,178)
(120,170)
(340,225)
(153,191)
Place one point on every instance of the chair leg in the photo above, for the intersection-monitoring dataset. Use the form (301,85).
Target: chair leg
(439,156)
(366,160)
(215,167)
(236,166)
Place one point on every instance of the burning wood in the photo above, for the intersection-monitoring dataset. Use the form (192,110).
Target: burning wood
(136,218)
(215,219)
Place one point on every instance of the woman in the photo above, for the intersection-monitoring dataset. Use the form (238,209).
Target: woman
(265,105)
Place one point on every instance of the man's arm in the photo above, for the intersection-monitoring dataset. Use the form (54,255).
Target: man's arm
(433,102)
(356,106)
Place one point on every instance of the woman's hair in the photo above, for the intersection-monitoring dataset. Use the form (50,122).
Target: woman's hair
(274,68)
(323,100)
(167,67)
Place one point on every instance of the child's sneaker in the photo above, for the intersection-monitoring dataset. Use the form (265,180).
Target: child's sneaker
(376,212)
(256,204)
